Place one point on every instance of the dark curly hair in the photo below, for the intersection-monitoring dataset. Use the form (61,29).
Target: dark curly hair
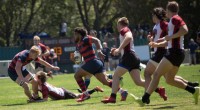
(82,31)
(160,13)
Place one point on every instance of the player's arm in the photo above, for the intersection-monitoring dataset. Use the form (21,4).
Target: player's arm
(18,69)
(46,64)
(45,93)
(127,38)
(182,31)
(46,53)
(97,42)
(160,44)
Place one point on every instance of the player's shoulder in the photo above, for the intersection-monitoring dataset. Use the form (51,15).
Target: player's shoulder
(124,31)
(176,18)
(163,24)
(41,45)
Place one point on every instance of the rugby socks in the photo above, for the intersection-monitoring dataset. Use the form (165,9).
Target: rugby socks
(91,91)
(193,84)
(190,89)
(81,84)
(87,82)
(145,98)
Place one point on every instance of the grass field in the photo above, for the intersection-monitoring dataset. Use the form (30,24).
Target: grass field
(13,98)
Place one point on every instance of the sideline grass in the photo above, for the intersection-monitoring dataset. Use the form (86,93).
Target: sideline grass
(13,98)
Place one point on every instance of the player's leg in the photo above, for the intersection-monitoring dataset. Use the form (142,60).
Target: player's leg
(30,78)
(136,77)
(79,78)
(164,67)
(87,80)
(194,84)
(115,86)
(149,70)
(170,79)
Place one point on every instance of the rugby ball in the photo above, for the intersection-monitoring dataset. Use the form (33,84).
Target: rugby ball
(77,57)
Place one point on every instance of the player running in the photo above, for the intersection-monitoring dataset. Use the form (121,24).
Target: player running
(92,64)
(172,60)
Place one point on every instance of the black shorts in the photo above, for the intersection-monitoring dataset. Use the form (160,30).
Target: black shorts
(159,54)
(130,61)
(69,95)
(39,65)
(175,56)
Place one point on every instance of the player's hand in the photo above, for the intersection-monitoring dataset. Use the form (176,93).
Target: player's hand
(101,56)
(153,44)
(116,52)
(150,37)
(167,38)
(160,40)
(55,68)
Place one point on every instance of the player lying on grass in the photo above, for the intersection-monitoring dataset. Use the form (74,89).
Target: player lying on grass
(18,73)
(56,93)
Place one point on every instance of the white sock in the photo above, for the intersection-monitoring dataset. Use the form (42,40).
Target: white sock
(121,90)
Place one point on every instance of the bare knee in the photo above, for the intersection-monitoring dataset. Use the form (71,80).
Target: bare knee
(147,74)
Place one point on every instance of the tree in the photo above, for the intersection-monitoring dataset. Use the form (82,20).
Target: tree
(102,13)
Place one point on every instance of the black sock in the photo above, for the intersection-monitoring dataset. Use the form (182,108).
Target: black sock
(190,89)
(91,91)
(157,89)
(113,95)
(193,84)
(145,98)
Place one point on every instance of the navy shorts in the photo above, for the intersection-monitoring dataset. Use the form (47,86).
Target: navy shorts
(159,54)
(175,56)
(130,61)
(94,66)
(13,74)
(37,65)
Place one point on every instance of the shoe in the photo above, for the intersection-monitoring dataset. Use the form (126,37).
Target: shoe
(39,99)
(98,89)
(121,81)
(161,92)
(124,95)
(109,100)
(83,98)
(195,84)
(79,90)
(196,94)
(138,100)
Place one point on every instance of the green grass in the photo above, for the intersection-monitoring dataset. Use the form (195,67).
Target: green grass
(13,98)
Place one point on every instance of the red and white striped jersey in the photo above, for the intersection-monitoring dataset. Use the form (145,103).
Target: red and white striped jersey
(130,46)
(159,31)
(51,91)
(174,25)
